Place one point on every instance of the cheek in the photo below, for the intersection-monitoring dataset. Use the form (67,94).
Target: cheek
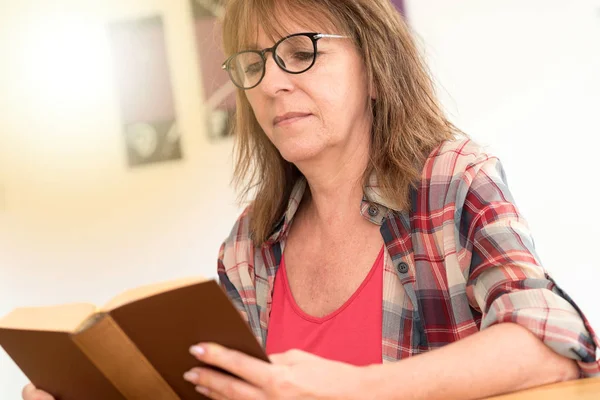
(260,109)
(339,87)
(347,84)
(254,102)
(338,100)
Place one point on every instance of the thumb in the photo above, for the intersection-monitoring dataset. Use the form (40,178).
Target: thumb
(291,357)
(31,393)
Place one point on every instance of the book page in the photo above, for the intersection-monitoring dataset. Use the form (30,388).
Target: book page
(62,318)
(142,292)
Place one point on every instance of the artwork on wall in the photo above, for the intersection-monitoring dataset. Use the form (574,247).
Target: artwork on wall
(145,92)
(400,6)
(218,91)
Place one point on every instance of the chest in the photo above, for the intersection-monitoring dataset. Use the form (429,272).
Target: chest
(323,275)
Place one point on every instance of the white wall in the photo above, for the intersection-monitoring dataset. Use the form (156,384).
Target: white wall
(523,76)
(78,225)
(519,75)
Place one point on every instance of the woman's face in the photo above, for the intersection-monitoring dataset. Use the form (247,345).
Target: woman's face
(323,112)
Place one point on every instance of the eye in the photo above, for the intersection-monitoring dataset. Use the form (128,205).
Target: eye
(303,56)
(253,69)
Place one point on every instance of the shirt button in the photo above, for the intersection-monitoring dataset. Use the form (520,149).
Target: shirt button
(373,210)
(403,267)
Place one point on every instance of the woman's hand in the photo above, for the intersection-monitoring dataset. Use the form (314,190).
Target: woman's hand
(31,393)
(291,375)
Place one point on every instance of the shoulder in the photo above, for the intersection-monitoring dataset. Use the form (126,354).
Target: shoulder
(459,160)
(238,247)
(458,169)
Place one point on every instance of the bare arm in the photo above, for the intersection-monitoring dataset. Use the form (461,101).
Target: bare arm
(503,358)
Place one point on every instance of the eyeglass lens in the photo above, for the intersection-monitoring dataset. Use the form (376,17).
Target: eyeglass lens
(295,54)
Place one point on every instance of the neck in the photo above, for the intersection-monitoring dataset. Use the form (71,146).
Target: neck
(335,184)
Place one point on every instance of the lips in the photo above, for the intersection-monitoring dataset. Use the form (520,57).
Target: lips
(289,117)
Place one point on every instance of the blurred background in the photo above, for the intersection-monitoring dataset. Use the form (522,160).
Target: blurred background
(103,188)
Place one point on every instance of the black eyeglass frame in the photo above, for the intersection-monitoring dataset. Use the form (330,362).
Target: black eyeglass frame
(313,36)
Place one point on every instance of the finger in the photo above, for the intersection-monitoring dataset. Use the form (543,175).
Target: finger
(250,369)
(213,395)
(28,391)
(220,386)
(31,393)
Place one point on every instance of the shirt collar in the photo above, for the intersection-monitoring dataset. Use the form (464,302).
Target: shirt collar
(374,206)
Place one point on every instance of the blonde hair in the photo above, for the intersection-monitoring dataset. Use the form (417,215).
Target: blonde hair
(408,122)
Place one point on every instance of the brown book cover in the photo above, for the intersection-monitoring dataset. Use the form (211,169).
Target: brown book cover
(135,347)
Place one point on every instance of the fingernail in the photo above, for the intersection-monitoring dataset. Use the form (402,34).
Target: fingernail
(202,390)
(197,350)
(190,376)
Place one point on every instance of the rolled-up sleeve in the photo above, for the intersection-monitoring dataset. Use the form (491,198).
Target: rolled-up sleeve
(506,281)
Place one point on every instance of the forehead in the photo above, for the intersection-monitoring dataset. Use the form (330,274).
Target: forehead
(265,30)
(265,39)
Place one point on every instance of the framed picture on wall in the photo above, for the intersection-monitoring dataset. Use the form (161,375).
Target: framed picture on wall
(218,91)
(145,92)
(400,5)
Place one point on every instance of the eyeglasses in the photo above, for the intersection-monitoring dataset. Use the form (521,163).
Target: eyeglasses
(294,54)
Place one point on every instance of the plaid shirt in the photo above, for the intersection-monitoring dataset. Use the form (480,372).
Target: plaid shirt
(460,261)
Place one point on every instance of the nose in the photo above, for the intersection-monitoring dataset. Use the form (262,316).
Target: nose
(276,80)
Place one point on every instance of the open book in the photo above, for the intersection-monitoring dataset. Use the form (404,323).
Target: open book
(135,347)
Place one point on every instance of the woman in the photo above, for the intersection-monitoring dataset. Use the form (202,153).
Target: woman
(377,231)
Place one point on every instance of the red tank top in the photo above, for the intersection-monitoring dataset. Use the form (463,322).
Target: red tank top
(351,334)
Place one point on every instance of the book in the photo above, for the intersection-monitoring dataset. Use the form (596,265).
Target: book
(134,347)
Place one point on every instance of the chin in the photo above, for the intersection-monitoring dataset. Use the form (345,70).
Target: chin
(300,145)
(299,154)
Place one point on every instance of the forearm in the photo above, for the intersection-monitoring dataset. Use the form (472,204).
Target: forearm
(500,359)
